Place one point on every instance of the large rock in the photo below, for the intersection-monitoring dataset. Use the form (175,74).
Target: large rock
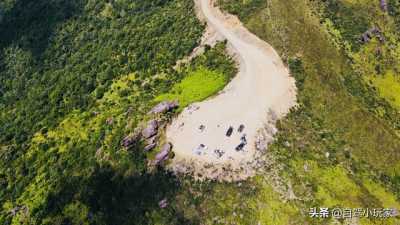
(163,154)
(384,5)
(151,143)
(152,140)
(149,147)
(163,203)
(18,209)
(151,129)
(370,33)
(164,106)
(131,139)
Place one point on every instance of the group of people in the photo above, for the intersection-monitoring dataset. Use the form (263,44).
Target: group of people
(219,153)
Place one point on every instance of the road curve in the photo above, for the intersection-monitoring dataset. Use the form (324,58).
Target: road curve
(262,88)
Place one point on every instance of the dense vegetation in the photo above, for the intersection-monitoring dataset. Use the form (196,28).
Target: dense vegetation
(77,76)
(244,9)
(57,56)
(339,148)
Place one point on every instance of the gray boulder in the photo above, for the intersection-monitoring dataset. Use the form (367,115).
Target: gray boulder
(152,140)
(151,129)
(164,107)
(149,147)
(18,209)
(365,37)
(384,5)
(163,203)
(163,154)
(151,143)
(371,33)
(110,121)
(131,139)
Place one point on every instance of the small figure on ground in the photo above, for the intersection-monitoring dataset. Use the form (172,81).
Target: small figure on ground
(163,203)
(202,127)
(241,128)
(243,139)
(219,153)
(200,149)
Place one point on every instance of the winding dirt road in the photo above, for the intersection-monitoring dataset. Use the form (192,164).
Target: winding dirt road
(261,92)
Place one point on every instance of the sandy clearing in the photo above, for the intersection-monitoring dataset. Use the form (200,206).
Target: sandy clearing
(261,92)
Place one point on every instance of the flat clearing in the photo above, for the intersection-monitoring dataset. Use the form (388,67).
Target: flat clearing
(262,92)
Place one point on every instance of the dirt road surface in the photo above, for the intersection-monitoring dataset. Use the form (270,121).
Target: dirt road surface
(260,93)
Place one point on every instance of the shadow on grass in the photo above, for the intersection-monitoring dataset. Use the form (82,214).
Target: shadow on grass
(116,200)
(30,23)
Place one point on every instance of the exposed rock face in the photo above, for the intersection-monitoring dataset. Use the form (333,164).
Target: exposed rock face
(373,32)
(149,147)
(99,152)
(18,209)
(152,140)
(151,143)
(110,121)
(384,5)
(163,203)
(163,107)
(163,154)
(148,135)
(131,139)
(261,143)
(151,129)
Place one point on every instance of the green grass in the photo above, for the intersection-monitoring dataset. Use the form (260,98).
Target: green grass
(196,86)
(333,117)
(62,178)
(388,86)
(293,29)
(79,167)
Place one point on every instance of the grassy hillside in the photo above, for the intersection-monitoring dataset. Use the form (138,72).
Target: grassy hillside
(339,148)
(75,78)
(58,56)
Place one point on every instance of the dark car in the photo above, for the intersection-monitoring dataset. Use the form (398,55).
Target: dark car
(240,146)
(229,131)
(241,128)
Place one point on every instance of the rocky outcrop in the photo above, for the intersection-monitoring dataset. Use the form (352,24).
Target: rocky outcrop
(163,107)
(163,203)
(384,5)
(151,143)
(150,147)
(110,121)
(24,209)
(163,154)
(151,129)
(149,134)
(371,33)
(132,139)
